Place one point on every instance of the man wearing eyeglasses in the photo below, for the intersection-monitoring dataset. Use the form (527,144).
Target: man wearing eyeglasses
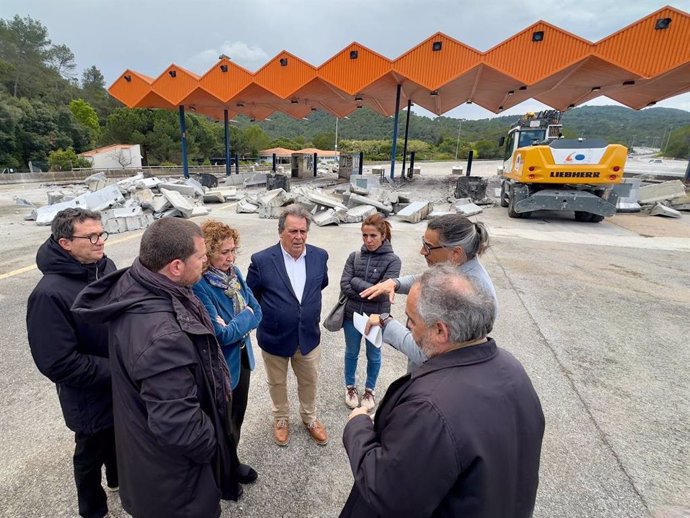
(74,355)
(451,239)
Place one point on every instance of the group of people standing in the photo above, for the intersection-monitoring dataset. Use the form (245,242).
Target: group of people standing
(157,358)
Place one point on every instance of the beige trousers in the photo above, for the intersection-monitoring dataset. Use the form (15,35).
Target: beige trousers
(306,369)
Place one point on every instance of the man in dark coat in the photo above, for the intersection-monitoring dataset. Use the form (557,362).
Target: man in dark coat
(171,388)
(287,280)
(74,355)
(462,434)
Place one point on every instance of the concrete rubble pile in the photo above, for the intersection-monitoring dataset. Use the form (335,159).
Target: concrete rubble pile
(665,199)
(133,203)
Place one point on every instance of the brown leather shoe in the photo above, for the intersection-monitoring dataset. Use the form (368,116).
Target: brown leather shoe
(318,433)
(281,431)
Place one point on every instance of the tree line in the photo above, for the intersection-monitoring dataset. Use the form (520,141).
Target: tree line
(48,115)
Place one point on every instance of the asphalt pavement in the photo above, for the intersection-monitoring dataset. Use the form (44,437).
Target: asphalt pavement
(597,313)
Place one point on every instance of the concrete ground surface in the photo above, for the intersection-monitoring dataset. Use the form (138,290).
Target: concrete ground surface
(597,313)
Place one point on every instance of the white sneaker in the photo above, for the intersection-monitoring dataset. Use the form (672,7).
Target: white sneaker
(368,400)
(351,397)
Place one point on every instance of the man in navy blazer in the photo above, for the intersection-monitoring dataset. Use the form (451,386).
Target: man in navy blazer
(287,280)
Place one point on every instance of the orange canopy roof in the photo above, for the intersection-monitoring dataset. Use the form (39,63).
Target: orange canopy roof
(637,66)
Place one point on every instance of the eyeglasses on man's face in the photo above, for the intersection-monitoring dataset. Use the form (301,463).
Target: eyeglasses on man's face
(93,238)
(428,247)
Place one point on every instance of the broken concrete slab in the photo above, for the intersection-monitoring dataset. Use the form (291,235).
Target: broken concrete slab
(359,213)
(662,210)
(324,200)
(246,207)
(457,170)
(356,199)
(465,207)
(662,191)
(200,210)
(102,199)
(326,217)
(438,213)
(46,214)
(147,183)
(270,212)
(358,189)
(214,197)
(277,181)
(96,181)
(178,201)
(159,203)
(170,213)
(23,202)
(256,180)
(275,198)
(198,188)
(679,202)
(186,190)
(129,184)
(416,211)
(404,197)
(144,197)
(629,203)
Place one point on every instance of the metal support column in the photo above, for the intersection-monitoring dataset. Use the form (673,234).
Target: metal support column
(361,162)
(470,156)
(315,159)
(273,162)
(237,163)
(686,180)
(394,150)
(411,164)
(407,129)
(228,165)
(183,132)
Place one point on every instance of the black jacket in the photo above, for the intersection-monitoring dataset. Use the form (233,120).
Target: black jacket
(460,436)
(72,354)
(174,453)
(372,268)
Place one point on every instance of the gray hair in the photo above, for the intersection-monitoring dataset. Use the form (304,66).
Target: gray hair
(456,230)
(63,222)
(167,239)
(295,210)
(448,296)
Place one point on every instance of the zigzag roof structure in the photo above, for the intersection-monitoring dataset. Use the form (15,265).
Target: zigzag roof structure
(638,66)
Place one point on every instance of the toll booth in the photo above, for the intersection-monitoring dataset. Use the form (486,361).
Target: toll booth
(348,165)
(302,165)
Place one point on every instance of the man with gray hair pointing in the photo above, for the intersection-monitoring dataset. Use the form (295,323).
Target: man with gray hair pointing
(462,434)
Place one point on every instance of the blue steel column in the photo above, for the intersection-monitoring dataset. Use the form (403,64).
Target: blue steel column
(228,166)
(407,130)
(395,131)
(183,131)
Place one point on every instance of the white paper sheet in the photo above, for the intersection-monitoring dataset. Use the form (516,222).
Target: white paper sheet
(360,322)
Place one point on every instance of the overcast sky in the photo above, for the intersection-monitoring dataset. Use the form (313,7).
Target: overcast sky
(149,35)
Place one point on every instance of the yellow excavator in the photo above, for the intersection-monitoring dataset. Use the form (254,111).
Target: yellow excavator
(544,171)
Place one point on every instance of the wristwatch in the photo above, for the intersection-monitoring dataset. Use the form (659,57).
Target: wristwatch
(384,318)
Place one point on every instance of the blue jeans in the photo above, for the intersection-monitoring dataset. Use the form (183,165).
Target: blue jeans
(353,340)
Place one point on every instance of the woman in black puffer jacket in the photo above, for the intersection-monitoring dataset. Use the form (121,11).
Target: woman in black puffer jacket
(373,263)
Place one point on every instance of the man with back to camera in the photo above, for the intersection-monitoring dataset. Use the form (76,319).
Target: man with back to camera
(74,355)
(462,434)
(287,280)
(171,387)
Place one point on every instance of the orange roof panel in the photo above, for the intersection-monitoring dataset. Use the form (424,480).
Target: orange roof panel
(354,68)
(284,74)
(130,88)
(225,79)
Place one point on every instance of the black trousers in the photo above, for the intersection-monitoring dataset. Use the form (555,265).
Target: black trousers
(91,453)
(240,396)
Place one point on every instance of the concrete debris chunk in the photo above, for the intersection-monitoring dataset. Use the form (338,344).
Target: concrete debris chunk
(326,217)
(129,184)
(45,215)
(378,170)
(170,213)
(196,185)
(629,203)
(96,181)
(324,200)
(404,197)
(179,202)
(662,210)
(255,180)
(270,211)
(147,183)
(246,207)
(200,210)
(457,170)
(185,190)
(416,211)
(144,197)
(277,181)
(159,203)
(102,199)
(214,197)
(466,207)
(22,202)
(681,203)
(359,213)
(356,199)
(662,191)
(275,198)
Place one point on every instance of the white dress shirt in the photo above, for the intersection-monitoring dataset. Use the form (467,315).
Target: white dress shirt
(297,271)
